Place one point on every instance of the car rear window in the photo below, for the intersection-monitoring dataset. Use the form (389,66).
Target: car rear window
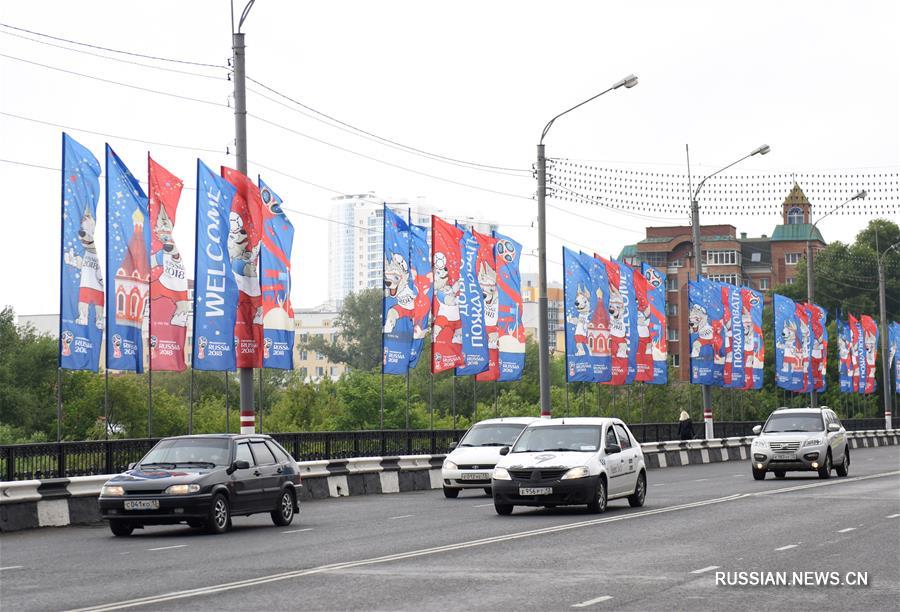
(243,452)
(280,454)
(624,439)
(262,453)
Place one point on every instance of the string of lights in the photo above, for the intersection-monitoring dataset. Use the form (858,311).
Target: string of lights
(561,192)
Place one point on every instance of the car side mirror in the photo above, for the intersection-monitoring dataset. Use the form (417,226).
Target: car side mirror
(504,450)
(757,429)
(131,465)
(239,464)
(832,427)
(612,449)
(453,446)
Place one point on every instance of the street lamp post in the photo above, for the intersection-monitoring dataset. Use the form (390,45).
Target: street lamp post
(695,236)
(543,324)
(882,313)
(810,278)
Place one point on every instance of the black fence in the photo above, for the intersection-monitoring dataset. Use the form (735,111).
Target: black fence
(67,459)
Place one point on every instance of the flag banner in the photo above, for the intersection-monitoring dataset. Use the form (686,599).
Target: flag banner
(705,313)
(598,324)
(399,296)
(580,301)
(869,328)
(170,307)
(733,337)
(818,346)
(845,361)
(894,331)
(659,326)
(81,278)
(644,354)
(857,354)
(490,292)
(275,282)
(511,342)
(446,329)
(789,370)
(420,260)
(127,266)
(621,334)
(754,344)
(472,309)
(244,243)
(802,314)
(215,287)
(629,311)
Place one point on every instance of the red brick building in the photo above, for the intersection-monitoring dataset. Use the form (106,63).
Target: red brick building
(760,263)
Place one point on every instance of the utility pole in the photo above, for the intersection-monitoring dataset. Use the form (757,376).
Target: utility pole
(810,286)
(882,313)
(248,411)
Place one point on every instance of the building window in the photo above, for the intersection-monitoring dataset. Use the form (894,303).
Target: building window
(303,373)
(672,310)
(791,259)
(334,372)
(673,334)
(721,258)
(790,281)
(672,283)
(676,263)
(724,278)
(795,216)
(320,372)
(756,257)
(304,355)
(764,283)
(676,360)
(657,260)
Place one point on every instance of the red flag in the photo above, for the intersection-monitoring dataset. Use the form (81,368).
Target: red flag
(244,240)
(644,357)
(170,308)
(870,342)
(446,331)
(487,280)
(854,352)
(618,329)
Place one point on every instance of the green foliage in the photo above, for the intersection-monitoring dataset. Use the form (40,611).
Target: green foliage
(359,345)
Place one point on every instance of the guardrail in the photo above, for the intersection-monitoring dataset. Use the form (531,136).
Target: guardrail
(71,459)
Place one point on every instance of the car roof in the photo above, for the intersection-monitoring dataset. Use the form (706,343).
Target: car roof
(576,421)
(221,436)
(514,420)
(800,410)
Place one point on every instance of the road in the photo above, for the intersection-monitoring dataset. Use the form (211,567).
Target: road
(420,551)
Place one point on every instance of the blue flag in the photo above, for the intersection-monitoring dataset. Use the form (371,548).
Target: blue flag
(511,332)
(845,363)
(705,313)
(659,325)
(81,278)
(789,346)
(598,324)
(399,296)
(275,282)
(894,331)
(420,262)
(471,310)
(577,294)
(215,288)
(735,359)
(127,266)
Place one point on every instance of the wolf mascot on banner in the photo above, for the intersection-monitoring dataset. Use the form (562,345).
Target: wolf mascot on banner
(397,286)
(90,292)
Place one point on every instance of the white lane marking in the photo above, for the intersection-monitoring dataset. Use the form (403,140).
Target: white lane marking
(591,602)
(706,569)
(298,530)
(251,582)
(846,530)
(737,475)
(892,516)
(400,517)
(169,547)
(658,484)
(9,567)
(788,547)
(701,479)
(483,505)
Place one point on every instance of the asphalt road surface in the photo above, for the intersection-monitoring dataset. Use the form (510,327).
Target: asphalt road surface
(420,551)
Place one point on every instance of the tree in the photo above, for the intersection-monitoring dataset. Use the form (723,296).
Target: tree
(359,343)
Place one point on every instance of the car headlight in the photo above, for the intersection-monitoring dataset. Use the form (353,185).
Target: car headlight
(112,491)
(812,442)
(576,472)
(449,465)
(500,474)
(760,443)
(182,489)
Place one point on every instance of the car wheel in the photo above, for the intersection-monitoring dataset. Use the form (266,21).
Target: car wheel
(778,473)
(598,504)
(758,474)
(636,500)
(120,528)
(448,492)
(488,491)
(503,509)
(825,470)
(219,518)
(844,467)
(284,513)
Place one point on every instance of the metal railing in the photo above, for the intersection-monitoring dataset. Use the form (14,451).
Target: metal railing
(66,459)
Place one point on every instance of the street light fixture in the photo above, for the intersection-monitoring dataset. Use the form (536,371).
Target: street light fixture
(882,313)
(810,279)
(543,327)
(695,234)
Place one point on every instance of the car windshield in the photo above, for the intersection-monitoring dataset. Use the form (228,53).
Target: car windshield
(580,438)
(191,451)
(492,434)
(809,421)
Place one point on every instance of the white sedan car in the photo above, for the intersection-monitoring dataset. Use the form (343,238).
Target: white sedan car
(471,462)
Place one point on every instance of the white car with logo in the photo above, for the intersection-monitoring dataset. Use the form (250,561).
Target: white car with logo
(471,462)
(800,440)
(569,461)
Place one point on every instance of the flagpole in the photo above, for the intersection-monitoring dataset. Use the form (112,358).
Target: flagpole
(383,237)
(191,404)
(474,398)
(453,399)
(59,405)
(495,398)
(106,301)
(149,316)
(62,238)
(227,406)
(150,402)
(567,398)
(106,404)
(407,398)
(431,401)
(261,400)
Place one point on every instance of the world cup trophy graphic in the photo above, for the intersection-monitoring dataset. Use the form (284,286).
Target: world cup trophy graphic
(66,342)
(117,346)
(201,347)
(267,345)
(153,342)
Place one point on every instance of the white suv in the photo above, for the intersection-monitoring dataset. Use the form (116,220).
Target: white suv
(800,439)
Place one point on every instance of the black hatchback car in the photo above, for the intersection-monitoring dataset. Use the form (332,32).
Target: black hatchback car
(203,481)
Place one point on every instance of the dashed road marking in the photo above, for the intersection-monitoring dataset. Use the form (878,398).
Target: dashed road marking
(789,546)
(9,567)
(706,569)
(701,479)
(892,516)
(846,530)
(591,602)
(483,505)
(169,547)
(392,518)
(298,530)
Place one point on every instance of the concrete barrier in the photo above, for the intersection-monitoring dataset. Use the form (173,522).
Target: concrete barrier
(28,504)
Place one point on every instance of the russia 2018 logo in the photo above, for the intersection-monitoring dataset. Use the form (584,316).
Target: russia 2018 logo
(201,347)
(153,342)
(384,357)
(266,346)
(66,341)
(117,346)
(506,251)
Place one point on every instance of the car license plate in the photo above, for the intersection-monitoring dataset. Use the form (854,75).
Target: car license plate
(535,490)
(475,476)
(142,504)
(784,456)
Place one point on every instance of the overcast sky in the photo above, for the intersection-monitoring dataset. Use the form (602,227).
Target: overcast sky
(816,80)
